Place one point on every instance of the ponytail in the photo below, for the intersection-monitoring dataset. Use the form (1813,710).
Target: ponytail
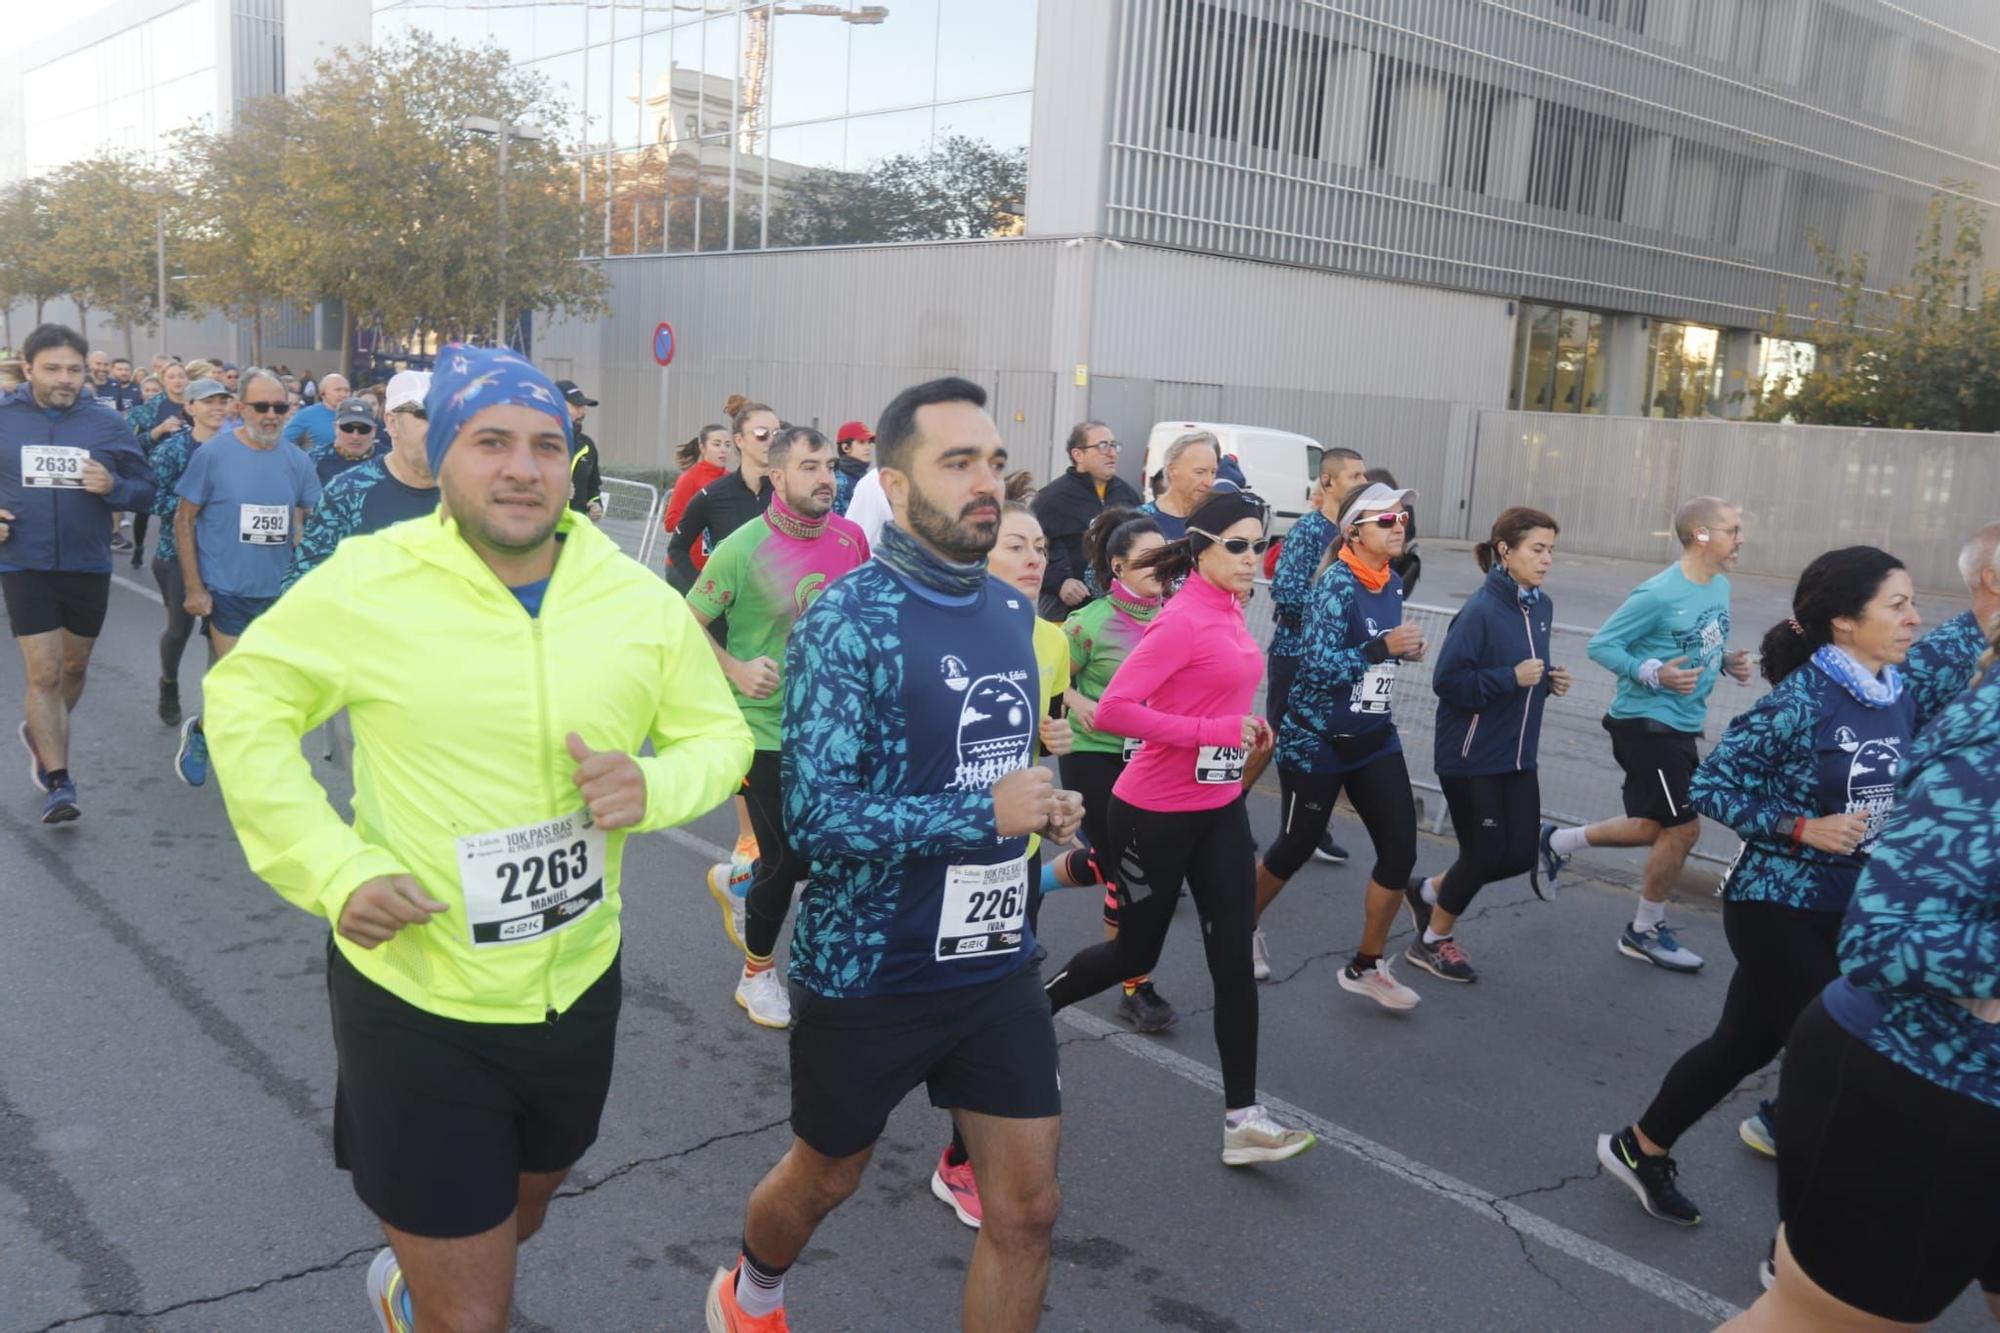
(689,452)
(1836,585)
(1109,537)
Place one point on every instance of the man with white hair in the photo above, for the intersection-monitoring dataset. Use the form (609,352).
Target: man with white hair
(1941,663)
(311,428)
(383,490)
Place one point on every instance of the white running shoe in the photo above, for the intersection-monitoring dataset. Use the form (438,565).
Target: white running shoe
(1379,984)
(1261,1139)
(762,995)
(389,1294)
(1260,957)
(731,902)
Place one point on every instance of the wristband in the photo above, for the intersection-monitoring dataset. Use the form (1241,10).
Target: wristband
(1376,651)
(1799,831)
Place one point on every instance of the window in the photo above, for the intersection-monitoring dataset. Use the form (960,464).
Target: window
(1558,361)
(1685,371)
(1430,126)
(1230,77)
(1579,162)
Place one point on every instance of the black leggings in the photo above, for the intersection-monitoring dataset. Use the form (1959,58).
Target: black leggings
(1498,819)
(1212,853)
(180,625)
(1091,776)
(1380,792)
(779,868)
(140,521)
(1784,958)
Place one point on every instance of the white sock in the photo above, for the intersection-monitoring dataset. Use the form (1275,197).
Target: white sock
(1235,1119)
(1429,892)
(1566,841)
(1432,937)
(756,1299)
(1649,915)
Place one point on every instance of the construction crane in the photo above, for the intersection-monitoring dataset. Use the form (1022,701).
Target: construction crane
(757,57)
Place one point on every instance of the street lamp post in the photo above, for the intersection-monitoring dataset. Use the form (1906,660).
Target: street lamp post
(505,132)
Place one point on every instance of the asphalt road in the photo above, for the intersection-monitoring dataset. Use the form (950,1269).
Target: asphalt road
(166,1076)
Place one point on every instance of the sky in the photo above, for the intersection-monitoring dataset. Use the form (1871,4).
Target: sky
(32,22)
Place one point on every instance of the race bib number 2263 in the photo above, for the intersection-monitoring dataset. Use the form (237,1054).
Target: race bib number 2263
(523,883)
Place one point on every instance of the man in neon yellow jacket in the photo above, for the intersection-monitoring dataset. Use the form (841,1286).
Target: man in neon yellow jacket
(473,972)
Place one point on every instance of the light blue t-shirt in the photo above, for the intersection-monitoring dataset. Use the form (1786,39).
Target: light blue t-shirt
(1668,616)
(243,534)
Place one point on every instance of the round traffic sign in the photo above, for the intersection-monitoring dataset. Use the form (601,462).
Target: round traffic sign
(664,344)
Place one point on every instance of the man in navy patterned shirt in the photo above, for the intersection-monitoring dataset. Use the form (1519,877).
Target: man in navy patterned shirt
(383,490)
(909,723)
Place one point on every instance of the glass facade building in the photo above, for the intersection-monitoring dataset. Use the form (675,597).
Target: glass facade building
(747,126)
(128,91)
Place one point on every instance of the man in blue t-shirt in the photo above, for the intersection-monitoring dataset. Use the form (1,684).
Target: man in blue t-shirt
(243,500)
(311,427)
(1667,645)
(909,785)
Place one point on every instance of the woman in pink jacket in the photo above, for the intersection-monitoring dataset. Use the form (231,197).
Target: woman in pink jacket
(1177,814)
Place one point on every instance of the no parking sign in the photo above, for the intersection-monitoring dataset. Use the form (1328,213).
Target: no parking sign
(664,344)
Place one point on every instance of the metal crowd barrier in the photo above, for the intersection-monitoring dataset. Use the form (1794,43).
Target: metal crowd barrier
(631,517)
(1579,782)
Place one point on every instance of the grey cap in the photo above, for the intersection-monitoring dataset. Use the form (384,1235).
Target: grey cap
(207,388)
(355,409)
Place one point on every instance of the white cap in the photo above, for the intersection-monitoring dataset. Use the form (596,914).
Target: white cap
(408,388)
(1373,501)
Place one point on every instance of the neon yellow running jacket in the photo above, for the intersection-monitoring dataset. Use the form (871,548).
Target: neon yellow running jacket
(461,704)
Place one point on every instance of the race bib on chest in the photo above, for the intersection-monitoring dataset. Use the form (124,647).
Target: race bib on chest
(53,465)
(524,883)
(985,911)
(1376,692)
(1217,764)
(264,525)
(1131,748)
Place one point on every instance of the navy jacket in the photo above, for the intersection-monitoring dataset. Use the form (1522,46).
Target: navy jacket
(1486,723)
(64,527)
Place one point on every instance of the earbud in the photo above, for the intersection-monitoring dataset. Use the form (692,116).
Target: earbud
(1701,535)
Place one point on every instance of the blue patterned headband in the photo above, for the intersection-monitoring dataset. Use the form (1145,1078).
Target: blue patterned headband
(468,380)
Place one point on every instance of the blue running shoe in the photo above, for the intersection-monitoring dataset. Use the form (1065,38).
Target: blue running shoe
(1760,1132)
(1660,947)
(1548,865)
(191,760)
(60,807)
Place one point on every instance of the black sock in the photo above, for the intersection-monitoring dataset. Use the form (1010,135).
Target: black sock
(57,777)
(757,1271)
(956,1154)
(1362,962)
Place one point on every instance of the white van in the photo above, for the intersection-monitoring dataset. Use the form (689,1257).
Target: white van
(1279,466)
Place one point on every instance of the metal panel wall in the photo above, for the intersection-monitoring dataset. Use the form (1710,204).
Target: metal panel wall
(1614,482)
(1665,157)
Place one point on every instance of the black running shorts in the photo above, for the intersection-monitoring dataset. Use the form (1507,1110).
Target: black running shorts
(989,1048)
(1886,1181)
(43,601)
(1659,764)
(435,1119)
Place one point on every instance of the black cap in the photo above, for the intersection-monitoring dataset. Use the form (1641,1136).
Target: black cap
(573,395)
(355,409)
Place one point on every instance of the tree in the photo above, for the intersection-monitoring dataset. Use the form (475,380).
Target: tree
(1925,356)
(32,264)
(105,210)
(962,188)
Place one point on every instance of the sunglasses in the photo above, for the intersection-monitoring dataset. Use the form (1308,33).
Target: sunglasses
(1396,520)
(416,412)
(1237,545)
(765,433)
(355,428)
(265,407)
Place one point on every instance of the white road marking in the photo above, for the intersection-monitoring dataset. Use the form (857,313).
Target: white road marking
(1481,1203)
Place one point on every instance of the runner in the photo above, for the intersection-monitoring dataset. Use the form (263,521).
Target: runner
(1189,470)
(1492,680)
(1339,733)
(1806,776)
(311,428)
(1019,559)
(585,466)
(354,440)
(909,720)
(1943,662)
(1178,816)
(209,402)
(474,976)
(701,460)
(1667,645)
(762,578)
(718,509)
(165,412)
(1890,1092)
(66,466)
(240,503)
(1341,471)
(857,454)
(381,491)
(731,500)
(1067,506)
(1102,634)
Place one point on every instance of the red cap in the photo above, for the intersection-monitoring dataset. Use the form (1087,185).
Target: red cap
(854,430)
